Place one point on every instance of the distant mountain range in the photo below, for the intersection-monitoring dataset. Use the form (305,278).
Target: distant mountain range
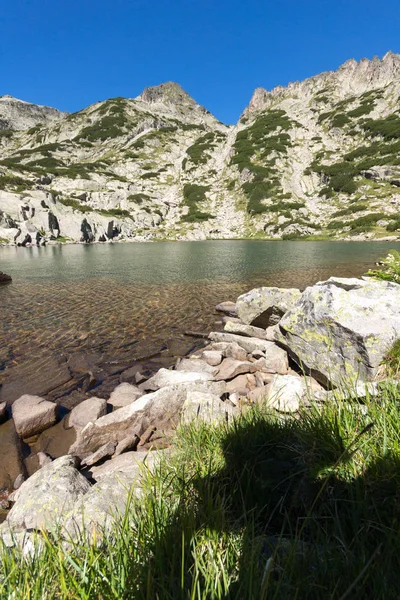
(317,159)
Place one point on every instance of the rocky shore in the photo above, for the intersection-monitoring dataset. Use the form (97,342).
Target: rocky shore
(280,347)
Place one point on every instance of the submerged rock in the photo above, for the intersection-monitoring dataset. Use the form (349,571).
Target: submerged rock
(4,278)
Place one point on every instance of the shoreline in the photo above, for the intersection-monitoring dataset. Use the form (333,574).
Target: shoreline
(394,239)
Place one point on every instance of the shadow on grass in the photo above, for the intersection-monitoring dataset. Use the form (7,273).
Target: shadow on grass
(291,514)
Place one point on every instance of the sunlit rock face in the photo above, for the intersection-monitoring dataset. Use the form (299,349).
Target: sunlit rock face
(318,157)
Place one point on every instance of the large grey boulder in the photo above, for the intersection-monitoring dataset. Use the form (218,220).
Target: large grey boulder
(48,495)
(265,306)
(341,329)
(118,481)
(95,513)
(33,415)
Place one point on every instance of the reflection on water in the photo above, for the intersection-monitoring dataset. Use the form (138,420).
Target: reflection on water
(114,297)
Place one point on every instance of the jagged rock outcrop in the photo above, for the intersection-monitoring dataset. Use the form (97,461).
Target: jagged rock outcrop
(18,115)
(341,329)
(318,157)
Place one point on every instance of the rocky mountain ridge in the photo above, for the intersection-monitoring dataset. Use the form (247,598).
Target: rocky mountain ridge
(316,159)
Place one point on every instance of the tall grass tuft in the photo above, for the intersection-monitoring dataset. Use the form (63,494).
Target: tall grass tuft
(263,507)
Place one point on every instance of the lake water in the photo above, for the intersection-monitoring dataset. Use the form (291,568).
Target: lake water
(120,303)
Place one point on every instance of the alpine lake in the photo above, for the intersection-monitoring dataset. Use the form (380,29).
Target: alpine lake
(77,316)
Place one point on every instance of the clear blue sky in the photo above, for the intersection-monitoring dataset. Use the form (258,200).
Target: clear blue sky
(71,53)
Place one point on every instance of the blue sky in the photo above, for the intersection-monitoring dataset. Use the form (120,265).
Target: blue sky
(71,53)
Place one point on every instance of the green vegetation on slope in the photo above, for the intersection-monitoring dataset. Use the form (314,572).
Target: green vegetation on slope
(254,145)
(193,195)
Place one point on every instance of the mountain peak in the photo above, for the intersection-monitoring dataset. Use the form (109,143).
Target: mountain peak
(166,93)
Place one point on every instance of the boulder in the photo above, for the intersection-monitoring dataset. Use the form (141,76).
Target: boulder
(239,385)
(196,365)
(103,452)
(33,414)
(206,407)
(341,329)
(4,278)
(166,377)
(86,412)
(249,344)
(124,394)
(258,395)
(160,409)
(230,368)
(129,463)
(95,513)
(130,442)
(265,306)
(212,357)
(275,361)
(247,330)
(286,393)
(48,495)
(12,460)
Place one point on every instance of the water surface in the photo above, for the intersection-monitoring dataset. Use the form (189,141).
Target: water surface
(125,302)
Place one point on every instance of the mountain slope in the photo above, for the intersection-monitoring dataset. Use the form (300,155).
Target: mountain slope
(317,158)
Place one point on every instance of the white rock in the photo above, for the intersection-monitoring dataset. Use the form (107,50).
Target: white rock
(246,330)
(87,411)
(266,305)
(124,394)
(286,393)
(166,377)
(206,407)
(212,357)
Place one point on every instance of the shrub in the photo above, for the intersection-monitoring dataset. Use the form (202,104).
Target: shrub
(114,212)
(388,128)
(390,268)
(14,181)
(194,216)
(138,198)
(350,209)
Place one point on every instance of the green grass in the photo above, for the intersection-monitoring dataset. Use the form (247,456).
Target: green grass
(257,509)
